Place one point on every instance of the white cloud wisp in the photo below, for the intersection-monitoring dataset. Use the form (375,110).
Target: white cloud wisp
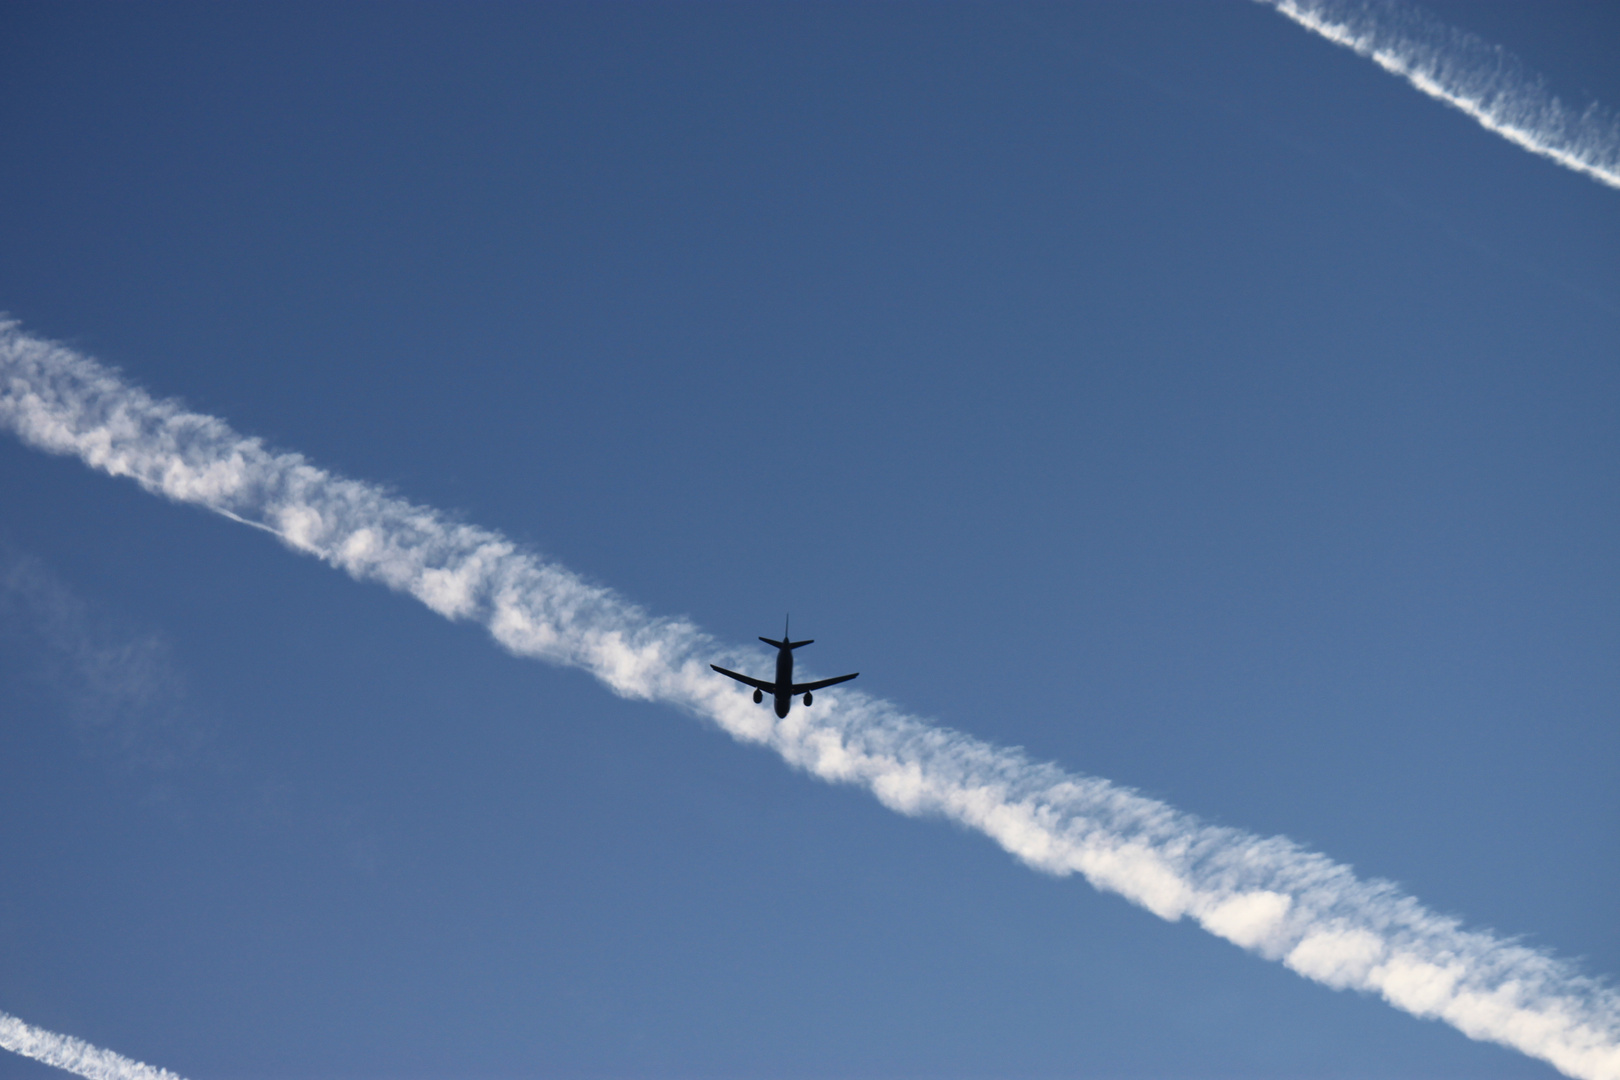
(1267,895)
(1484,81)
(73,1055)
(115,684)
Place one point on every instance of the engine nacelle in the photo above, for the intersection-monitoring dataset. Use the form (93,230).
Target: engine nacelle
(807,699)
(759,696)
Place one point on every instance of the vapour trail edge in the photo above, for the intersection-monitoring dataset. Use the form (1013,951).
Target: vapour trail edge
(73,1055)
(1483,81)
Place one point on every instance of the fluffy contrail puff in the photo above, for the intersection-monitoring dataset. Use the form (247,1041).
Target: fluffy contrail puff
(1482,80)
(1267,895)
(74,1055)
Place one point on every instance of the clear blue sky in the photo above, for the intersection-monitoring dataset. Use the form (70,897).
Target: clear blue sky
(1156,387)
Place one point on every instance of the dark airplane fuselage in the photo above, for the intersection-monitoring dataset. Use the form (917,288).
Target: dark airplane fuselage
(783,690)
(784,679)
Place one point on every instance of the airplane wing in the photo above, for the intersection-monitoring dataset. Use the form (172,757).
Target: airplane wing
(800,688)
(768,687)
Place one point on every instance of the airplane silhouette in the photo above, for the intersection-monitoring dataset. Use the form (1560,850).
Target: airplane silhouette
(784,689)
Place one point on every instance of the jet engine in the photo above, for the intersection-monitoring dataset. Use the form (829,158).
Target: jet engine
(759,696)
(807,698)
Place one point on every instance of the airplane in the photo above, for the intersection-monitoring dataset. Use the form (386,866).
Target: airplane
(784,689)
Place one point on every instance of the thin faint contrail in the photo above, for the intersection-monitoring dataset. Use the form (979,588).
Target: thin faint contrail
(1267,895)
(1484,81)
(74,1055)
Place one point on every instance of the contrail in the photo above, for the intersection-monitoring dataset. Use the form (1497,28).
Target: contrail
(1484,81)
(1267,895)
(74,1055)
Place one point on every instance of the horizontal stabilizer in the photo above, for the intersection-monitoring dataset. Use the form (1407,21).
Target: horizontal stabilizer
(786,644)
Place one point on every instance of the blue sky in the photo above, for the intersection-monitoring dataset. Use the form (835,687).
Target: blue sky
(1157,388)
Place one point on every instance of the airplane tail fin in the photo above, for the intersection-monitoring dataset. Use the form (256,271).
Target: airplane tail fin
(785,643)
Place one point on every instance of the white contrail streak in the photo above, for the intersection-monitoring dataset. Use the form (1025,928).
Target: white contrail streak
(1482,80)
(74,1055)
(1267,895)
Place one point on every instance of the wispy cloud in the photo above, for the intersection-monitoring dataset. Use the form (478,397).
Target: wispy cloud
(1267,895)
(73,1055)
(1483,80)
(116,684)
(120,690)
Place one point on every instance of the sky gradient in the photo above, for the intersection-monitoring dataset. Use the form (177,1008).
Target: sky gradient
(1161,390)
